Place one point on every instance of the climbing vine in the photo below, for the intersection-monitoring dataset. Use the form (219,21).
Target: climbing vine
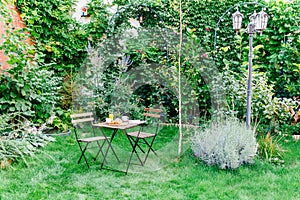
(60,41)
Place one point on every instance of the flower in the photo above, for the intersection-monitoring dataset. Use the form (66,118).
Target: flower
(207,29)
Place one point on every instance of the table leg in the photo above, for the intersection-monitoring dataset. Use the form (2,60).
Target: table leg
(134,144)
(109,146)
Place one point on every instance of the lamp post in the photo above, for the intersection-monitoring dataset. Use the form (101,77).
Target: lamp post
(258,23)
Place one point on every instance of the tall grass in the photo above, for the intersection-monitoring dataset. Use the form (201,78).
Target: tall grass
(54,174)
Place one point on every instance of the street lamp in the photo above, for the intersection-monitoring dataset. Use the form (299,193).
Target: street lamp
(258,23)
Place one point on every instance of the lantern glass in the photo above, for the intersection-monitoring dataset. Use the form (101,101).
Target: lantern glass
(253,17)
(261,21)
(237,19)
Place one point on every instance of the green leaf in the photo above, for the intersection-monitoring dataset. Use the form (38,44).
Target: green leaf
(23,92)
(13,95)
(12,109)
(18,105)
(24,107)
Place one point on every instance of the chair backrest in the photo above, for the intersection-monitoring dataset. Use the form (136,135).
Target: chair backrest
(82,117)
(80,120)
(154,113)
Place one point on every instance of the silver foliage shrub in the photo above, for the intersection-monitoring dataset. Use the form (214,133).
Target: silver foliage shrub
(227,144)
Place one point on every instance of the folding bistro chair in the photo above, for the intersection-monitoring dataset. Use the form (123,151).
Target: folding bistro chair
(144,140)
(84,121)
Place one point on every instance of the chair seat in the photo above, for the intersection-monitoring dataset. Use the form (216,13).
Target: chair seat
(92,139)
(141,134)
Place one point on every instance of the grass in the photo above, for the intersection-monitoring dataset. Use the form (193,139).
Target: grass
(54,174)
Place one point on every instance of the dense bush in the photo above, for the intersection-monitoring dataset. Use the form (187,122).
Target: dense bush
(269,113)
(263,106)
(33,92)
(227,144)
(26,87)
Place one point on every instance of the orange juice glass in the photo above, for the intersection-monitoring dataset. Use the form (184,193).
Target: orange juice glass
(111,116)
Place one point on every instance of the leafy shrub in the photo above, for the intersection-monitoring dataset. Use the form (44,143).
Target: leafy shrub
(271,113)
(60,121)
(18,139)
(33,92)
(262,98)
(26,87)
(101,87)
(227,144)
(288,122)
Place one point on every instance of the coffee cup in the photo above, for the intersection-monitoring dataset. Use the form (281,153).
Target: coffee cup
(125,118)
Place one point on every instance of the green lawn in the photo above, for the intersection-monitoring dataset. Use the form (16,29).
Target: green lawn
(54,174)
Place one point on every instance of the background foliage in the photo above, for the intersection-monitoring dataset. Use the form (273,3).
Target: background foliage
(58,38)
(28,95)
(274,75)
(60,42)
(40,81)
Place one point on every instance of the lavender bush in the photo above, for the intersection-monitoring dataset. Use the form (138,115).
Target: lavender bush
(227,144)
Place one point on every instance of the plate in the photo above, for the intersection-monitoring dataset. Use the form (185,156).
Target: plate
(134,121)
(118,124)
